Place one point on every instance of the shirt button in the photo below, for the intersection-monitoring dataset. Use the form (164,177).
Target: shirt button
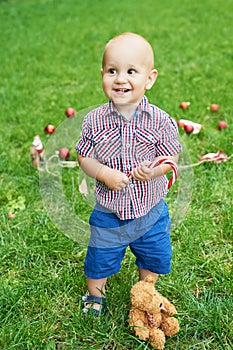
(131,185)
(128,145)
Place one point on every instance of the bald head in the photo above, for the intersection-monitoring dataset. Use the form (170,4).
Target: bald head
(134,43)
(127,71)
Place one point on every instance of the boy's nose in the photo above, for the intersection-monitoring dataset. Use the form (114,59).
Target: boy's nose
(120,77)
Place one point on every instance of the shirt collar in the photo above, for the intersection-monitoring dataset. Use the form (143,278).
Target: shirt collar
(112,109)
(143,107)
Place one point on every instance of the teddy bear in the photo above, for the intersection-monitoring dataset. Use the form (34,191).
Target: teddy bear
(151,314)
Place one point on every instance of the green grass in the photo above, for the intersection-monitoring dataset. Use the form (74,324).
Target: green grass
(50,60)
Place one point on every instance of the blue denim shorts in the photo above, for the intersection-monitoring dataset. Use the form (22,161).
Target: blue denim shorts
(147,237)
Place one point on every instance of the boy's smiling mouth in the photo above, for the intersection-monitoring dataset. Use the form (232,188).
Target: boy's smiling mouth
(121,90)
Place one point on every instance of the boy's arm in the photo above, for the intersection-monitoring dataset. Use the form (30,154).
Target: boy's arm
(114,179)
(147,171)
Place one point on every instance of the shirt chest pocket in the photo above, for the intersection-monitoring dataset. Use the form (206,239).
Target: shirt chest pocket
(145,146)
(107,144)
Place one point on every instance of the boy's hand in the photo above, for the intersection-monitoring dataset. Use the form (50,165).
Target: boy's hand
(148,170)
(114,179)
(143,172)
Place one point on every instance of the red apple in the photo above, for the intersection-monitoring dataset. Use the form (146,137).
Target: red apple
(180,123)
(11,215)
(214,107)
(188,128)
(222,125)
(64,152)
(184,105)
(70,112)
(49,129)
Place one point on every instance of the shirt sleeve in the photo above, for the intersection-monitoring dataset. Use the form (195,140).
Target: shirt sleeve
(84,147)
(168,143)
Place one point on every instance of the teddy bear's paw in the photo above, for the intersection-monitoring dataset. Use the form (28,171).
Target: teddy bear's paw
(142,333)
(170,326)
(157,339)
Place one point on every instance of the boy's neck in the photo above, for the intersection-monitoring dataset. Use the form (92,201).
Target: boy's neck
(127,111)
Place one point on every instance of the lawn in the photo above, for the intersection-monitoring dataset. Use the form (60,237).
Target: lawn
(50,60)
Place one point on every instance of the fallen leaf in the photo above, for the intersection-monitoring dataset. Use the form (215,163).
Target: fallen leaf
(83,187)
(218,157)
(197,291)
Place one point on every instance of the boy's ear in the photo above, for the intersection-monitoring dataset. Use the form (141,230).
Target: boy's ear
(151,79)
(102,71)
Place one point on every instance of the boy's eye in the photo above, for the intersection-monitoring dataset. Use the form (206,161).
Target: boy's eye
(131,71)
(112,71)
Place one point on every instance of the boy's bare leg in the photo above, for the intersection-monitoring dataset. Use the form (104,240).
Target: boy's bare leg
(96,288)
(143,273)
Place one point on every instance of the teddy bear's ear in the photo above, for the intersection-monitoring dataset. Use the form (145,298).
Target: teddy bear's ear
(150,279)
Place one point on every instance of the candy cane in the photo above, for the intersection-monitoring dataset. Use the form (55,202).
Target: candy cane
(174,169)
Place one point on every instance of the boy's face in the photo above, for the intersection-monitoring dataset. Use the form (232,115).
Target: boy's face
(127,70)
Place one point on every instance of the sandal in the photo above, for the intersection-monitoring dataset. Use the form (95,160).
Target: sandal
(87,299)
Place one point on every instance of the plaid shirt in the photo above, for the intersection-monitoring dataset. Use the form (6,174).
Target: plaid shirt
(123,144)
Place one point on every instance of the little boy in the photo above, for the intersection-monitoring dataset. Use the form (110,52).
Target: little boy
(121,141)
